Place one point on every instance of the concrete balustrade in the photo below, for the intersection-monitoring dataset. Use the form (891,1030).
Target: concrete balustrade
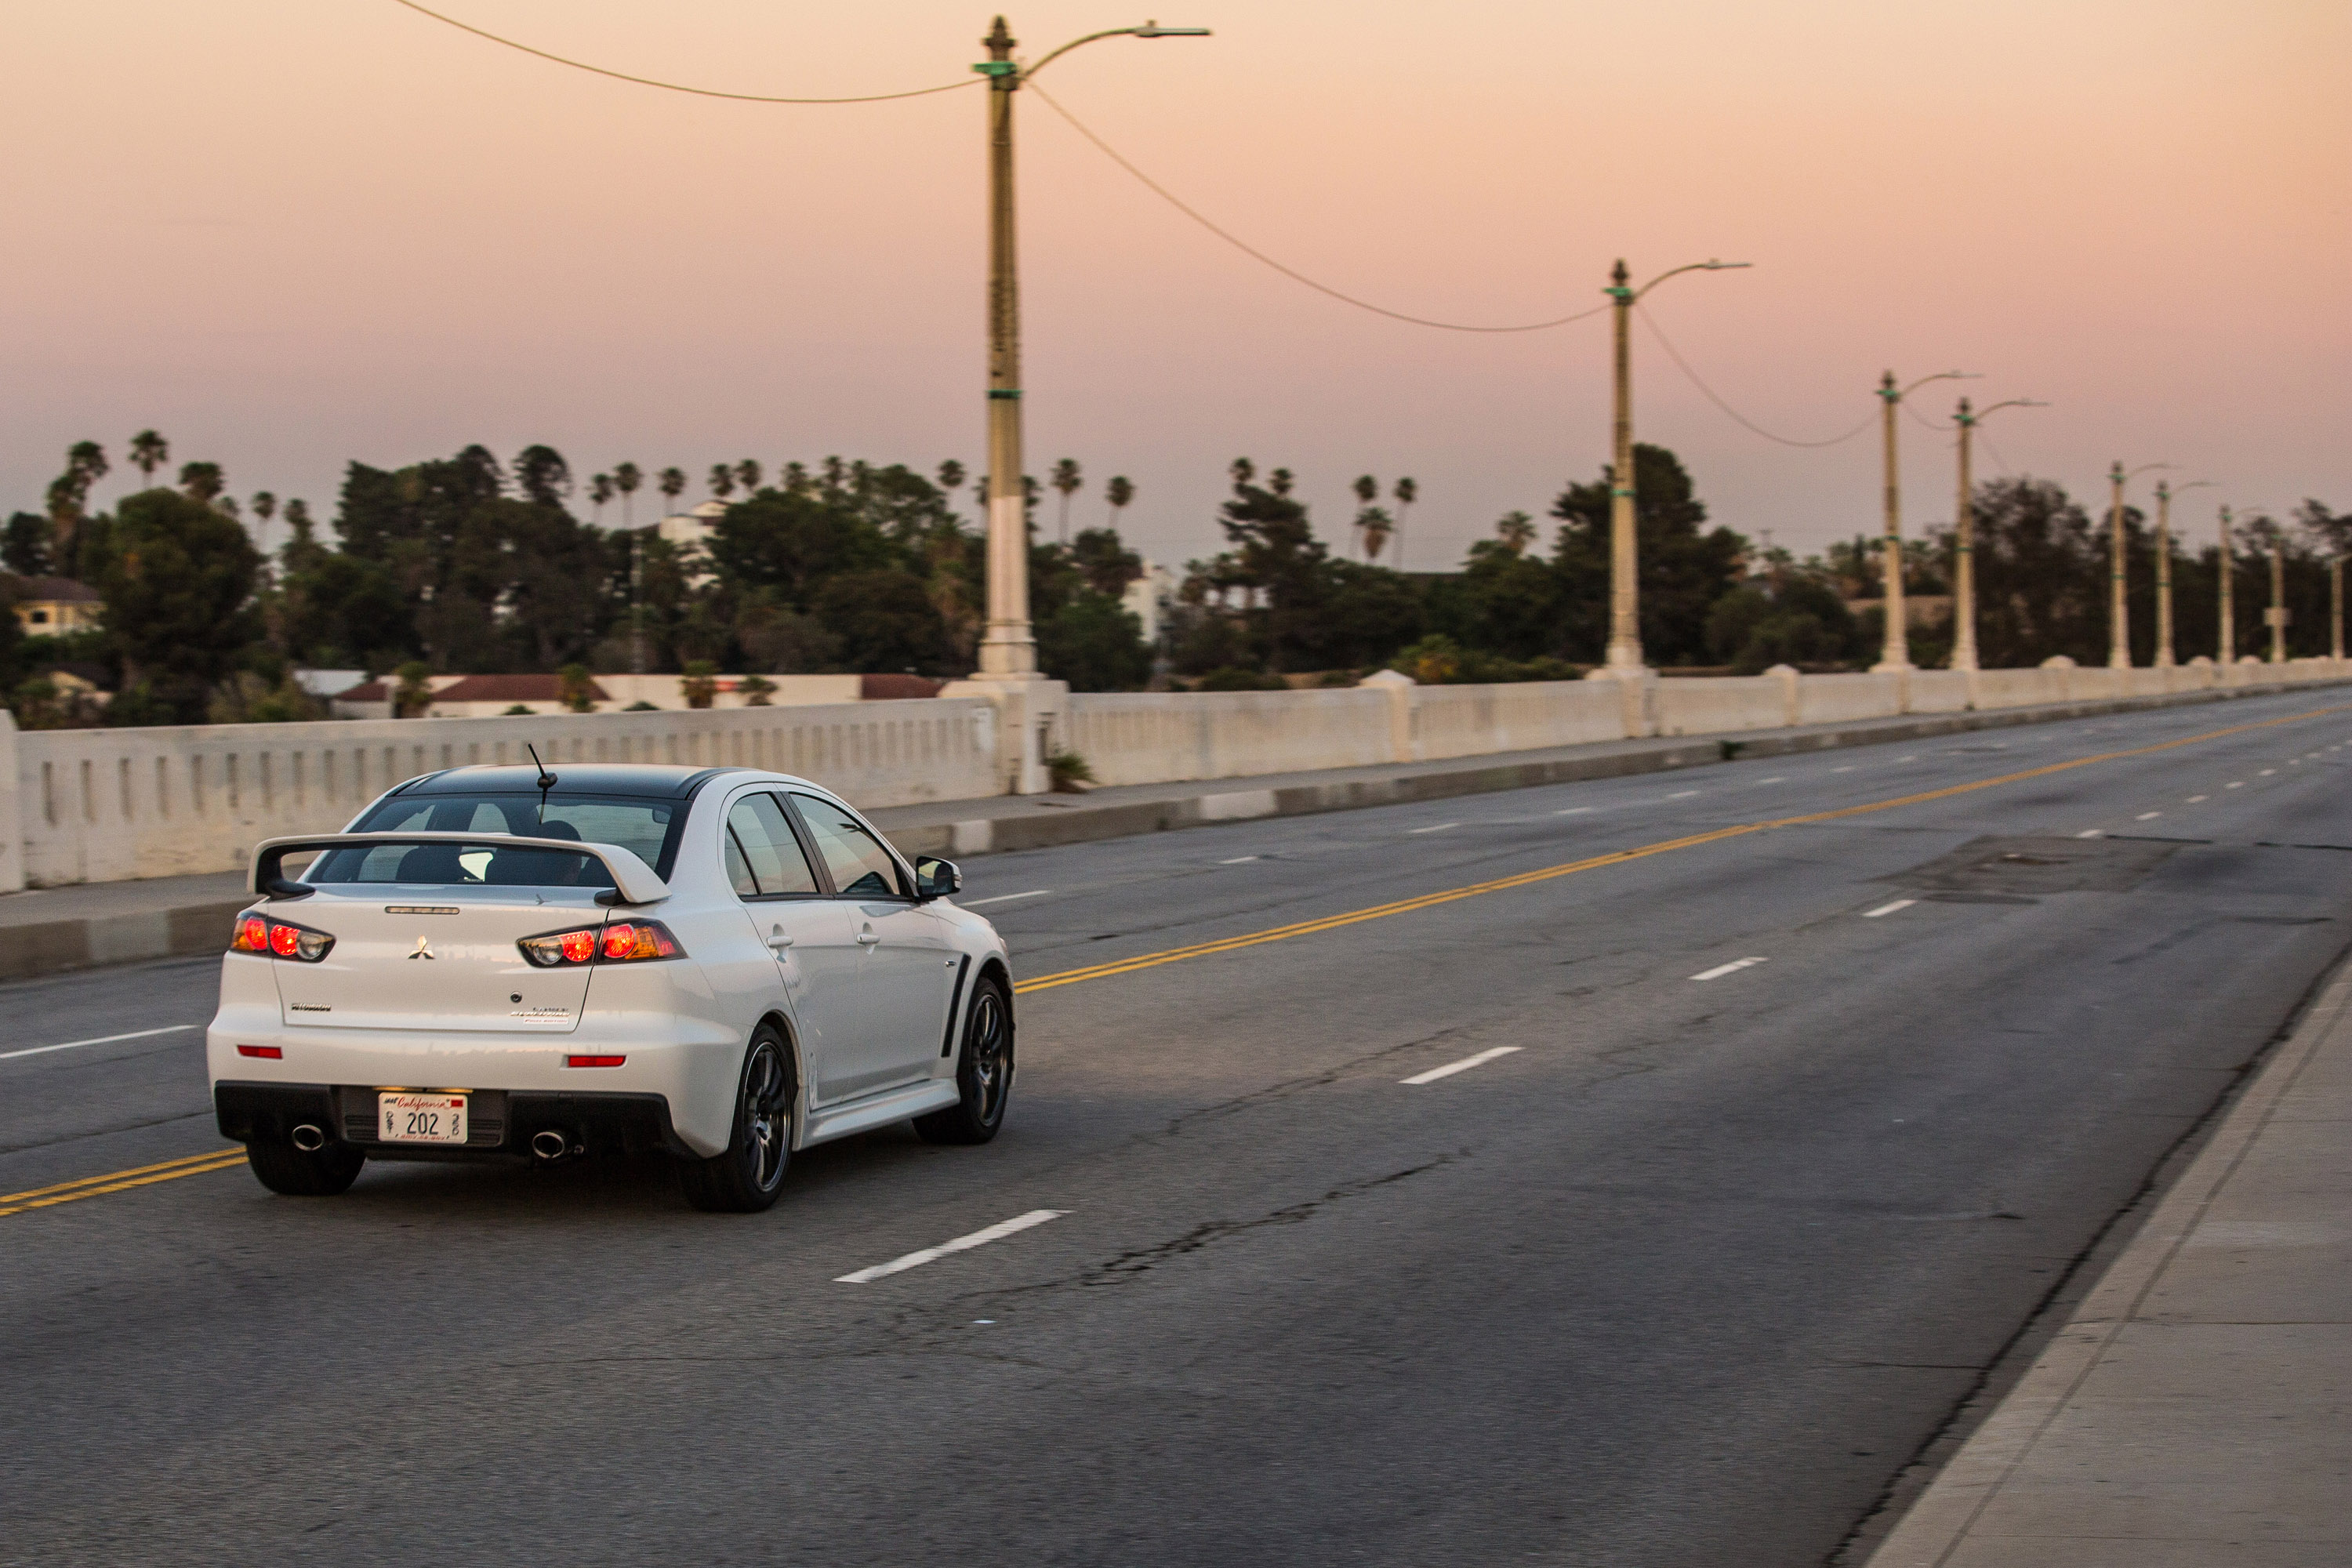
(111,805)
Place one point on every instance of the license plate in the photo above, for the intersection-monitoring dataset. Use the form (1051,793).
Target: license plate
(420,1118)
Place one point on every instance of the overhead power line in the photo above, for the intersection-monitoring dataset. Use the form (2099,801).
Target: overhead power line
(1737,417)
(675,87)
(1256,255)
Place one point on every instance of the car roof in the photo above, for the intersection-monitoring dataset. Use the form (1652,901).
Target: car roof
(655,780)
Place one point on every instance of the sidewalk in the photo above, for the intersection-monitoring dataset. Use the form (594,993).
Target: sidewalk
(2194,1410)
(86,925)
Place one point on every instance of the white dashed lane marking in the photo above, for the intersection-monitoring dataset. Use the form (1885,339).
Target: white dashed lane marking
(1720,970)
(1888,909)
(1682,795)
(1006,898)
(1573,811)
(2193,799)
(996,1232)
(1440,827)
(1238,860)
(2147,816)
(97,1040)
(1464,1065)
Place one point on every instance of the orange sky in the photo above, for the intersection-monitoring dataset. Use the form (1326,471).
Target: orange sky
(288,233)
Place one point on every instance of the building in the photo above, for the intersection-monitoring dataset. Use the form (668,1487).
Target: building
(1149,598)
(48,606)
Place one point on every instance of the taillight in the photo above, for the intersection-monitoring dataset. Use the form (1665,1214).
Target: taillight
(623,941)
(279,939)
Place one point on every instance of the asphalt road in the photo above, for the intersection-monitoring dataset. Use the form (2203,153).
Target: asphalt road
(1685,1275)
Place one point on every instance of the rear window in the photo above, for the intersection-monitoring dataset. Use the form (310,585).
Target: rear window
(648,828)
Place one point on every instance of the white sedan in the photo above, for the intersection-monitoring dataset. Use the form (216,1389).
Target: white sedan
(722,963)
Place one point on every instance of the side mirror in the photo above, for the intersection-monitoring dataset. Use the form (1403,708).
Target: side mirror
(936,879)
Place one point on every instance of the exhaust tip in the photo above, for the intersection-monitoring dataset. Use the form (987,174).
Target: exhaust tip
(310,1139)
(549,1144)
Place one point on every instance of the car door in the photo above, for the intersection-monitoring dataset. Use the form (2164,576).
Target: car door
(817,964)
(903,996)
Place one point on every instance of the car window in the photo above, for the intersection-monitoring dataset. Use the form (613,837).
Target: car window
(860,867)
(647,827)
(763,858)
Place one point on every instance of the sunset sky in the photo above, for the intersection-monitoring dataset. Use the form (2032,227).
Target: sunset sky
(292,233)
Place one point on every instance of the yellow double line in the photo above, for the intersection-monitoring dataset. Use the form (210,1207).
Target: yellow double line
(196,1165)
(117,1181)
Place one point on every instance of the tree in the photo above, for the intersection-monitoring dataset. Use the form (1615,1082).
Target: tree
(626,478)
(1065,479)
(1277,556)
(1368,490)
(884,621)
(265,506)
(747,474)
(1375,525)
(24,548)
(1094,645)
(202,481)
(599,494)
(1280,481)
(1243,470)
(672,485)
(952,474)
(1683,566)
(1105,562)
(2042,568)
(542,475)
(1120,493)
(1407,491)
(722,481)
(700,686)
(68,498)
(1516,531)
(149,452)
(177,578)
(788,544)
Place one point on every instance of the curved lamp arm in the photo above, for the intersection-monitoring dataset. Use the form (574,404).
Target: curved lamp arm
(1708,265)
(1149,30)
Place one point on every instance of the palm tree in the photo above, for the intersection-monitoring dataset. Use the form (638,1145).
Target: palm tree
(1243,471)
(149,452)
(203,481)
(951,475)
(600,490)
(794,478)
(747,474)
(1120,493)
(1065,478)
(1368,490)
(626,478)
(1406,493)
(1376,526)
(1517,530)
(1280,481)
(722,480)
(672,484)
(836,476)
(265,506)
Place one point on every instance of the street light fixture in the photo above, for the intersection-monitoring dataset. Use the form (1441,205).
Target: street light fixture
(1624,659)
(2228,643)
(2164,494)
(1895,652)
(1964,531)
(2118,613)
(1008,650)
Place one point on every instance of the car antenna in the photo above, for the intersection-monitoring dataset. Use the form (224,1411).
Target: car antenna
(547,781)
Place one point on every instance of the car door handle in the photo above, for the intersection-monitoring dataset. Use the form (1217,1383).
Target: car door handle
(780,938)
(867,939)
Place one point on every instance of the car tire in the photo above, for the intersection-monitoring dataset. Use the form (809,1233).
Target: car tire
(984,1072)
(746,1176)
(304,1174)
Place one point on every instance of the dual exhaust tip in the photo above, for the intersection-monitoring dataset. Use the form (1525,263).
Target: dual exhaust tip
(548,1144)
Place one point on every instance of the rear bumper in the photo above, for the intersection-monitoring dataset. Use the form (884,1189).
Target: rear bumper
(500,1122)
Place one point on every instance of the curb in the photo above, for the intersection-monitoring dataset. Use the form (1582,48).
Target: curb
(57,947)
(1933,1529)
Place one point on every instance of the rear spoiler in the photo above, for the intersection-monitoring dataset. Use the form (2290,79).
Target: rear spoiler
(633,881)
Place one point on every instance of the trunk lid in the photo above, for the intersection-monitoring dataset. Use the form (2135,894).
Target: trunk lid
(438,958)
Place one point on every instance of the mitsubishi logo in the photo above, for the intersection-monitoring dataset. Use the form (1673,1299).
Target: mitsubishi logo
(423,949)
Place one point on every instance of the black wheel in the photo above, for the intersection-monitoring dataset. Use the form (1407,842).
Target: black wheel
(984,1073)
(746,1175)
(304,1174)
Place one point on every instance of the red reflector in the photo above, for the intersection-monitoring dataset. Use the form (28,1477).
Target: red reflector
(594,1061)
(269,1053)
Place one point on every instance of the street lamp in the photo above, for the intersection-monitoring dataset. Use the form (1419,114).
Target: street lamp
(1895,653)
(2118,613)
(1008,650)
(1964,541)
(2229,639)
(2164,494)
(1624,594)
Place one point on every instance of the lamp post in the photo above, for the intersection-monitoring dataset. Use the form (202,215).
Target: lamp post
(1008,650)
(2119,613)
(1895,651)
(2336,609)
(2277,617)
(1963,537)
(2229,640)
(1624,657)
(2164,494)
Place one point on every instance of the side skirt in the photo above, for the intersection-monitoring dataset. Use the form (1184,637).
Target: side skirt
(869,1111)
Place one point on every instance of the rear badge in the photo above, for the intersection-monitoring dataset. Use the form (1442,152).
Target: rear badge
(542,1012)
(423,949)
(305,1007)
